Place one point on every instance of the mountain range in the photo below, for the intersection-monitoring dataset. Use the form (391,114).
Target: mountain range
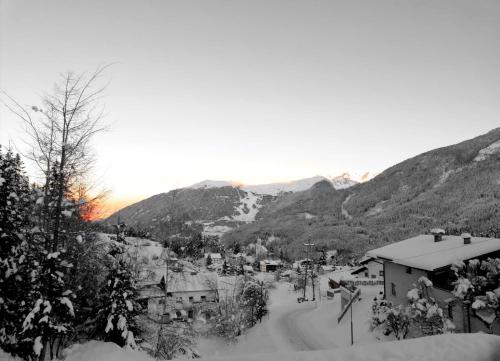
(455,187)
(339,182)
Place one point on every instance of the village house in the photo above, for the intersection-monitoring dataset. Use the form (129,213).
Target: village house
(302,264)
(369,267)
(432,256)
(215,257)
(187,294)
(269,265)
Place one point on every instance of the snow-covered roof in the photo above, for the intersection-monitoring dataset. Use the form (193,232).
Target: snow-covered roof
(366,259)
(187,282)
(423,253)
(271,262)
(213,255)
(358,270)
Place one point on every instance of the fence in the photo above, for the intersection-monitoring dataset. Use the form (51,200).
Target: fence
(364,282)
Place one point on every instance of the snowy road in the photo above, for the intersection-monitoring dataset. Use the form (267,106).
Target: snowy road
(301,326)
(292,328)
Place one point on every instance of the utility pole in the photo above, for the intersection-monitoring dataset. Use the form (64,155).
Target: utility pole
(352,327)
(160,330)
(307,245)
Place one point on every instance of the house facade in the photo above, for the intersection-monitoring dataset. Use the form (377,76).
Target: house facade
(187,295)
(370,267)
(432,256)
(269,265)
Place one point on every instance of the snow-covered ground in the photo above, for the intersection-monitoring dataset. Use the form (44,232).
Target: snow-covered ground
(251,203)
(310,331)
(451,347)
(299,326)
(489,150)
(344,211)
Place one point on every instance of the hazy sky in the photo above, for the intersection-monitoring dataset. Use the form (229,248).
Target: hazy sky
(260,91)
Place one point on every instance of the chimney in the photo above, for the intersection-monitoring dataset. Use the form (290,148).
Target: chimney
(467,238)
(438,234)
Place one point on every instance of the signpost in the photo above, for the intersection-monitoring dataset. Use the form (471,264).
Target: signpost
(348,306)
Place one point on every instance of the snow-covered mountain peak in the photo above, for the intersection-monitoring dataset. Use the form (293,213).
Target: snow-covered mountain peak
(341,181)
(207,183)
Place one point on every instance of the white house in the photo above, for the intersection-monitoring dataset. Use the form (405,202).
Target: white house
(370,267)
(432,256)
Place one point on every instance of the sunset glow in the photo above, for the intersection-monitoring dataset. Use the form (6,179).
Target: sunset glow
(222,92)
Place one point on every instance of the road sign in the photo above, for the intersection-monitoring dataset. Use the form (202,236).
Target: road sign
(354,297)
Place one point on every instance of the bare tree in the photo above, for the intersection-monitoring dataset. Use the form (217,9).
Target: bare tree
(59,134)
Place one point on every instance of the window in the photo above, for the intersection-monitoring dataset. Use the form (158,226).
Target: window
(366,274)
(169,294)
(450,311)
(203,298)
(408,270)
(381,273)
(191,298)
(374,276)
(393,289)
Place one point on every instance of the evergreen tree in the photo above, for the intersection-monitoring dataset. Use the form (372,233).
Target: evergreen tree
(118,307)
(51,317)
(15,262)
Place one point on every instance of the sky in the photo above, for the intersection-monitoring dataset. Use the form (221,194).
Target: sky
(259,91)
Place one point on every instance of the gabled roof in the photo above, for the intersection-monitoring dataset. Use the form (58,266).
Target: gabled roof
(187,282)
(358,270)
(367,259)
(270,262)
(423,253)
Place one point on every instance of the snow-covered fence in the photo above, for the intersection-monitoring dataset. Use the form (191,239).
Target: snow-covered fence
(367,282)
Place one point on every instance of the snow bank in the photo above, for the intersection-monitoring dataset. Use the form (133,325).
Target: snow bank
(450,347)
(4,356)
(103,351)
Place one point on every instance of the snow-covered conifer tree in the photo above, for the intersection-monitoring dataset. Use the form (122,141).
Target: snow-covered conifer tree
(118,307)
(15,261)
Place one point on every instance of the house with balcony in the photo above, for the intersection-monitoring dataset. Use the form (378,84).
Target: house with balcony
(431,256)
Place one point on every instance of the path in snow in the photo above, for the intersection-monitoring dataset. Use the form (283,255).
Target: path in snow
(300,326)
(342,207)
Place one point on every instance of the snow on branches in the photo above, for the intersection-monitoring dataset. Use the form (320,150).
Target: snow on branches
(422,315)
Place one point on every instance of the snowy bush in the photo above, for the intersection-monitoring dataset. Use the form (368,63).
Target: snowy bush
(422,316)
(427,318)
(390,318)
(478,285)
